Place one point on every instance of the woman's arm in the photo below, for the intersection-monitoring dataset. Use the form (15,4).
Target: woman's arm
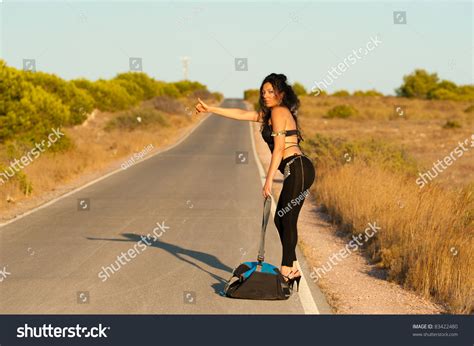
(278,125)
(233,113)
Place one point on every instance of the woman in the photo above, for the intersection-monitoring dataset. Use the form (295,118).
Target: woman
(278,107)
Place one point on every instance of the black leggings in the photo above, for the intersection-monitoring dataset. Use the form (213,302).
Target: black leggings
(299,175)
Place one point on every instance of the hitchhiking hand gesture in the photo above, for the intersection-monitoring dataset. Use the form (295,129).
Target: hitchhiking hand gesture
(201,107)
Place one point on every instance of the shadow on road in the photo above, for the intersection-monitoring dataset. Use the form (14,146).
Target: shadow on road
(178,251)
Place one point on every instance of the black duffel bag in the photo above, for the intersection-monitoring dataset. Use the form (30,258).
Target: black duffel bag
(258,280)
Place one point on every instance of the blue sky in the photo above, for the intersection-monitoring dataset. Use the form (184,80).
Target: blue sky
(303,40)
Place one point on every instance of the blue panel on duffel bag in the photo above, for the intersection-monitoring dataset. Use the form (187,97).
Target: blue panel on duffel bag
(266,268)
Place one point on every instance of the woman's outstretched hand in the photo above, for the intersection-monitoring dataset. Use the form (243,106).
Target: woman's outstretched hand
(201,107)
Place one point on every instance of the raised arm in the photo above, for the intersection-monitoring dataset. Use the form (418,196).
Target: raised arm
(233,113)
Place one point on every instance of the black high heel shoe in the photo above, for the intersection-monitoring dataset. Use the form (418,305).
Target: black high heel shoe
(291,281)
(297,279)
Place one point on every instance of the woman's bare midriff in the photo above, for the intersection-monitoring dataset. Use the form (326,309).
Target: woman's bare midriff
(291,150)
(296,151)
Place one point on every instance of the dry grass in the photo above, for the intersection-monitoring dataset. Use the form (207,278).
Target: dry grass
(420,133)
(426,236)
(383,108)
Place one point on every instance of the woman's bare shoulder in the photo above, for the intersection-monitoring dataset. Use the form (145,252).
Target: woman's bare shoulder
(280,112)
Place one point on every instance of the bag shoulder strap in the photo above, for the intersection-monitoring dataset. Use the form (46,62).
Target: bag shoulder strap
(266,214)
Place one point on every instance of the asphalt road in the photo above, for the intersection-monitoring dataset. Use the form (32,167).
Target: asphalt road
(201,199)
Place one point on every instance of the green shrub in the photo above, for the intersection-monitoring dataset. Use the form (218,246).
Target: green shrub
(168,104)
(167,89)
(317,92)
(341,111)
(299,89)
(132,89)
(80,103)
(218,96)
(108,95)
(451,124)
(148,85)
(333,152)
(33,103)
(341,93)
(417,84)
(23,143)
(443,94)
(251,94)
(186,87)
(201,93)
(26,186)
(465,92)
(136,118)
(368,93)
(421,84)
(26,109)
(20,178)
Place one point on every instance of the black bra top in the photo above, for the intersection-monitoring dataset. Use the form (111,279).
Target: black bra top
(267,136)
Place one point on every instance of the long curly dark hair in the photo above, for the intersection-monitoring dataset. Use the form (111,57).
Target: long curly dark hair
(290,100)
